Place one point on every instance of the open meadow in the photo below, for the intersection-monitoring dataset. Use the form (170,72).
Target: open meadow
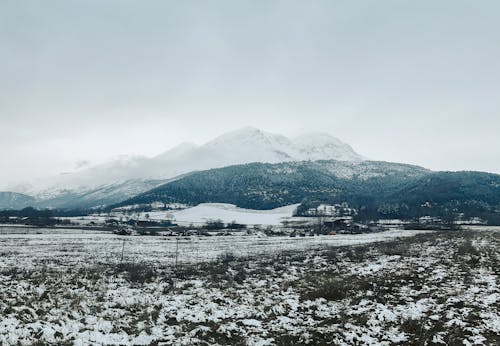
(396,287)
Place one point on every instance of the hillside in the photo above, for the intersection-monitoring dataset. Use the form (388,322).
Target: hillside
(267,186)
(13,200)
(96,197)
(471,193)
(376,189)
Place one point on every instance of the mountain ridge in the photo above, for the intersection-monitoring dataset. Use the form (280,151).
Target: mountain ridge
(376,189)
(244,145)
(262,180)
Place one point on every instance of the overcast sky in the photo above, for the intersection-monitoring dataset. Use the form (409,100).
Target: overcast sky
(406,81)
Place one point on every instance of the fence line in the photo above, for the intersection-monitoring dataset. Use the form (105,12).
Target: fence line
(75,249)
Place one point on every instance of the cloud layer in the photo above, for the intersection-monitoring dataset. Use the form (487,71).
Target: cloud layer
(85,80)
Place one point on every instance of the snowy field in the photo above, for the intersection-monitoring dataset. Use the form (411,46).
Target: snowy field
(200,214)
(229,212)
(70,247)
(204,212)
(389,288)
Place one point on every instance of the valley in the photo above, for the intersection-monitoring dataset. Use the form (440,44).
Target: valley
(252,239)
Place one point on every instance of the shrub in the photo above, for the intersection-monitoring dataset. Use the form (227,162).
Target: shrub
(136,272)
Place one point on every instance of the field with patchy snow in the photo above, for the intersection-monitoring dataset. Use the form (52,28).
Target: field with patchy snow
(74,248)
(73,288)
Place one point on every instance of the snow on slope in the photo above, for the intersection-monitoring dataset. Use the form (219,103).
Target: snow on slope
(226,213)
(117,171)
(253,145)
(237,147)
(321,146)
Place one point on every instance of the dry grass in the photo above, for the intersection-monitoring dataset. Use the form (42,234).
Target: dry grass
(341,292)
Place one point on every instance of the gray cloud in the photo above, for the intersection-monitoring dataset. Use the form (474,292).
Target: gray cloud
(401,81)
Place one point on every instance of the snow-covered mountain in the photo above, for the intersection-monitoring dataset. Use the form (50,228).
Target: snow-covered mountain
(244,145)
(13,200)
(248,145)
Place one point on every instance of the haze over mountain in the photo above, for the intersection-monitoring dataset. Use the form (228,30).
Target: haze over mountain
(127,176)
(13,200)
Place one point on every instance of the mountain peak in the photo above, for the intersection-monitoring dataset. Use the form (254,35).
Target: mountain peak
(244,134)
(249,144)
(247,130)
(321,145)
(319,136)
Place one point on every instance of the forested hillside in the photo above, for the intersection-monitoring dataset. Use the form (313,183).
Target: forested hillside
(376,189)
